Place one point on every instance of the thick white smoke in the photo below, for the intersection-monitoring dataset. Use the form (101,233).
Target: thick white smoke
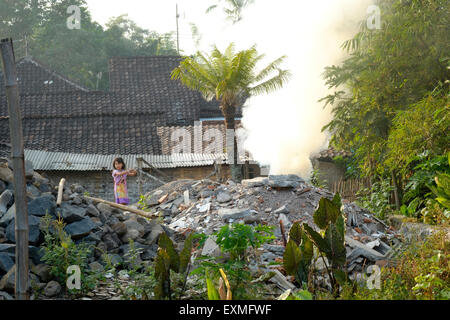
(284,128)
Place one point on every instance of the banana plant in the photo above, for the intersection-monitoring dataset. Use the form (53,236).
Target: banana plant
(168,259)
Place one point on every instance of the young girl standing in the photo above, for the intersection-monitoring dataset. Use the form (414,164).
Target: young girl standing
(120,181)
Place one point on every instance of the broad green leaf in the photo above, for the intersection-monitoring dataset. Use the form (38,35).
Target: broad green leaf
(291,258)
(337,253)
(213,294)
(320,242)
(325,213)
(306,248)
(296,233)
(162,265)
(167,244)
(185,254)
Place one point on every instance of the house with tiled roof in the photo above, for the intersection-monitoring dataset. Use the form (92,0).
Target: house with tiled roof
(72,132)
(330,170)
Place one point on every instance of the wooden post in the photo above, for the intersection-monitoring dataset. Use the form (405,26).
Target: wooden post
(60,192)
(139,163)
(17,157)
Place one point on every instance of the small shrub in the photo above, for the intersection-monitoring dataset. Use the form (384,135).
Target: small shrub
(60,252)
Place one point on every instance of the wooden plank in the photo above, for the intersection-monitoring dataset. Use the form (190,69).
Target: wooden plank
(123,207)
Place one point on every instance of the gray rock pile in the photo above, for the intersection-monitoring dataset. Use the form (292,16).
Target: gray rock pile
(202,206)
(107,229)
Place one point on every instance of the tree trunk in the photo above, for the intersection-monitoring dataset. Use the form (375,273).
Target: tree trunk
(396,193)
(229,112)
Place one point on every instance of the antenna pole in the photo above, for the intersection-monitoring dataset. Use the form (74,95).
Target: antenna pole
(178,34)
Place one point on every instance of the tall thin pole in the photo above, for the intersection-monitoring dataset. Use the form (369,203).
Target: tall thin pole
(178,33)
(17,155)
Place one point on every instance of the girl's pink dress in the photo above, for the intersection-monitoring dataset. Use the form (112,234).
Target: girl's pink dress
(120,188)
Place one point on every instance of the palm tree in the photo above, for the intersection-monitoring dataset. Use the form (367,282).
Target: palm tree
(234,9)
(230,78)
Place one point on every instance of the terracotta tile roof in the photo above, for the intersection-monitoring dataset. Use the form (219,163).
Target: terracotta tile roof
(330,153)
(34,77)
(122,121)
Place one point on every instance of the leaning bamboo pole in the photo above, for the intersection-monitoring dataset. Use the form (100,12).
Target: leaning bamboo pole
(18,159)
(123,207)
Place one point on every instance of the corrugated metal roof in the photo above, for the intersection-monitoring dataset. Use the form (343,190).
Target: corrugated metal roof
(46,160)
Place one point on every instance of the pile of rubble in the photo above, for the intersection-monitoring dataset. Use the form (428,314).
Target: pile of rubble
(179,207)
(205,206)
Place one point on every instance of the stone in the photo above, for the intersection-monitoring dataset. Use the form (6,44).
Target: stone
(29,169)
(34,232)
(33,191)
(78,188)
(255,182)
(153,236)
(278,250)
(42,271)
(132,234)
(5,296)
(252,219)
(125,249)
(210,248)
(6,262)
(5,199)
(110,242)
(362,250)
(53,288)
(223,197)
(35,254)
(280,280)
(282,209)
(42,205)
(80,228)
(133,224)
(2,186)
(96,267)
(120,228)
(105,209)
(206,194)
(7,282)
(6,219)
(284,181)
(71,213)
(6,173)
(115,259)
(92,211)
(235,213)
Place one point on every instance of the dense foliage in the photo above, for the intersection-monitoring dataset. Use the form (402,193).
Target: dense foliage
(39,29)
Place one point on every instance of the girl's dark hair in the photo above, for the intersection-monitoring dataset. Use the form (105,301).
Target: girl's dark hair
(119,160)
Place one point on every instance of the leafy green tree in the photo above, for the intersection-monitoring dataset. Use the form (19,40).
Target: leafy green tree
(389,71)
(39,28)
(230,78)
